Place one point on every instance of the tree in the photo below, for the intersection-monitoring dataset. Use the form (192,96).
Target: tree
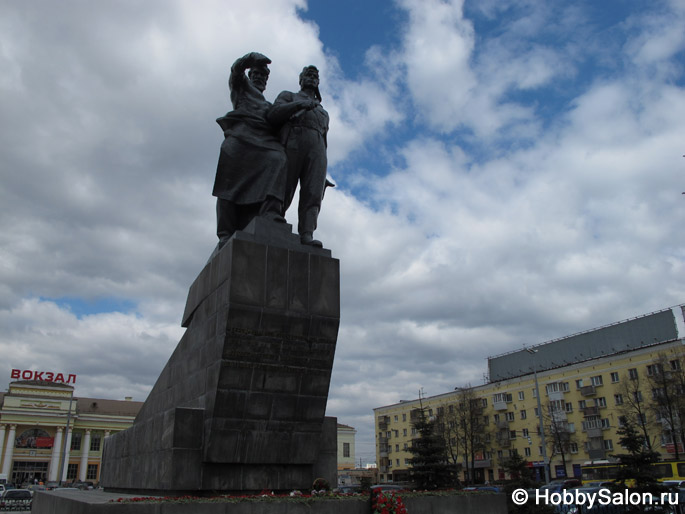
(464,429)
(522,478)
(430,468)
(636,464)
(450,428)
(560,435)
(635,409)
(667,381)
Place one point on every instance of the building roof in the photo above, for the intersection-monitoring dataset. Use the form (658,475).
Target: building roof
(107,407)
(101,406)
(642,331)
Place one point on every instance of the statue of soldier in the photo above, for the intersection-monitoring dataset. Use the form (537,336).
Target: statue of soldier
(250,175)
(304,129)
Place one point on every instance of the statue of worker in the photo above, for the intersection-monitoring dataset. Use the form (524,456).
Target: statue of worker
(303,133)
(250,175)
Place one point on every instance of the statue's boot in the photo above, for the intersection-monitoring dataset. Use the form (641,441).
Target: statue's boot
(306,238)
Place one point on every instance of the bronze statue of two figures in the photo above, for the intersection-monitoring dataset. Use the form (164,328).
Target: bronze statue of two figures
(269,148)
(241,403)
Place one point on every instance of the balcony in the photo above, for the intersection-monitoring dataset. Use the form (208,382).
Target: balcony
(383,450)
(558,415)
(555,396)
(383,422)
(499,405)
(588,390)
(502,424)
(590,411)
(596,454)
(594,432)
(503,439)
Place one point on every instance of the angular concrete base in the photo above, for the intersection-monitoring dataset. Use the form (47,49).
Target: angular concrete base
(240,405)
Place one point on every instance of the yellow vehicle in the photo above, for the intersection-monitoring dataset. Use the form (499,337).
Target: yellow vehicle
(605,471)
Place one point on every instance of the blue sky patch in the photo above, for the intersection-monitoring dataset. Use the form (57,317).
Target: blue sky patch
(81,307)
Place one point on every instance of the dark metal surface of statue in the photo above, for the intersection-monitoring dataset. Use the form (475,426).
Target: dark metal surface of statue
(250,175)
(304,129)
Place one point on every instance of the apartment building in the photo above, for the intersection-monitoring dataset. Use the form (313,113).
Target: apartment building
(589,384)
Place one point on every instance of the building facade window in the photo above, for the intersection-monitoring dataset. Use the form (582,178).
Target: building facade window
(523,414)
(654,370)
(92,472)
(95,443)
(556,387)
(597,380)
(618,399)
(614,377)
(632,374)
(346,449)
(76,441)
(522,396)
(72,471)
(526,451)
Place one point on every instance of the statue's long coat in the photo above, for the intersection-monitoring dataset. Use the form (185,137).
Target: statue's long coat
(252,160)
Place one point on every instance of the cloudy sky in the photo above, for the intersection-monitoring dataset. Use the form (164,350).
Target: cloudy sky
(508,172)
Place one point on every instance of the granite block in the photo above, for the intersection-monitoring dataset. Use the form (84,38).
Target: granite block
(248,273)
(243,396)
(188,428)
(324,295)
(276,278)
(241,316)
(298,282)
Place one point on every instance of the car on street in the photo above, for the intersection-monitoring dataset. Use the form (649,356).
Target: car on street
(348,489)
(15,499)
(490,488)
(387,487)
(556,486)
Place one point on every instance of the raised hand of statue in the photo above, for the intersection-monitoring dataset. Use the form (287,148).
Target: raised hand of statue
(256,59)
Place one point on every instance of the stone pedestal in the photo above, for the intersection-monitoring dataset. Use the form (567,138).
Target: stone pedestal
(240,405)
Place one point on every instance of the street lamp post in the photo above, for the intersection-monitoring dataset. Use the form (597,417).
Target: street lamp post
(542,425)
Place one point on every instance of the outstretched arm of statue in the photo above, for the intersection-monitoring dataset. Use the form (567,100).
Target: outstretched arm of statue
(286,106)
